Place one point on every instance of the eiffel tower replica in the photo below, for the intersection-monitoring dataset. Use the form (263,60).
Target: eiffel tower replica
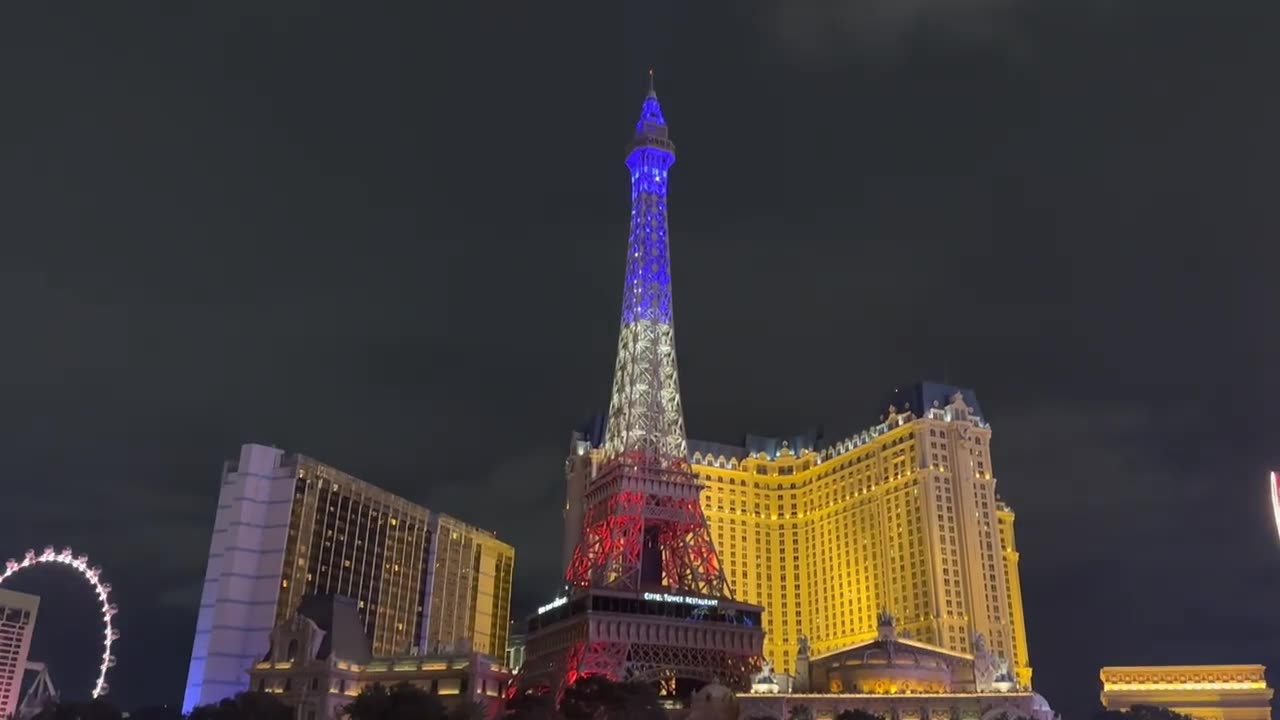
(646,595)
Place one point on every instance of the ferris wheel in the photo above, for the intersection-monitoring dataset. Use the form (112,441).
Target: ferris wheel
(80,564)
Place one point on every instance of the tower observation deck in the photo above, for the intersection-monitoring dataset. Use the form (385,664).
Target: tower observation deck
(647,597)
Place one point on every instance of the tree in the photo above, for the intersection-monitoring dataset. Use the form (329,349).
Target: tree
(95,709)
(599,698)
(1141,712)
(243,706)
(858,714)
(156,712)
(399,702)
(532,706)
(468,709)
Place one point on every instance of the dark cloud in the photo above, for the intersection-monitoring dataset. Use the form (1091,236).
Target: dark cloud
(394,242)
(1135,514)
(527,491)
(809,32)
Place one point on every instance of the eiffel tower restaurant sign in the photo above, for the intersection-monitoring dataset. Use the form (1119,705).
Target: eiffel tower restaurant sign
(682,599)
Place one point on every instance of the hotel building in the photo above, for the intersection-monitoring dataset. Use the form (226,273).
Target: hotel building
(1203,692)
(17,623)
(289,526)
(901,517)
(470,583)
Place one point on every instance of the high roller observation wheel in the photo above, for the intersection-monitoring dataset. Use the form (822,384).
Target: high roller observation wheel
(79,563)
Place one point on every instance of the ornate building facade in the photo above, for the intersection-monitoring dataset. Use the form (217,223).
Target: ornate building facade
(319,659)
(1205,692)
(902,516)
(899,679)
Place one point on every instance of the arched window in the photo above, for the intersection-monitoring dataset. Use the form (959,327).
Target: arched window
(292,653)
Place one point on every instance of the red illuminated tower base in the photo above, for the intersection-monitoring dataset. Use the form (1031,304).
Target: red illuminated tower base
(678,642)
(647,597)
(645,529)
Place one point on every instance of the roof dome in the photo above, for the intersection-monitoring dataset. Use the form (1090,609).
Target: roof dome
(889,667)
(900,655)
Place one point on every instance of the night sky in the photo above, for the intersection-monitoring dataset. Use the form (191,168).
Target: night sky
(393,240)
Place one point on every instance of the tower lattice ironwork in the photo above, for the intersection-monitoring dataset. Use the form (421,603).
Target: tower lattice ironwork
(648,598)
(644,525)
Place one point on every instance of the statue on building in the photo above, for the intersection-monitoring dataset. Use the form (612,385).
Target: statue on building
(765,681)
(801,682)
(1005,682)
(886,626)
(984,665)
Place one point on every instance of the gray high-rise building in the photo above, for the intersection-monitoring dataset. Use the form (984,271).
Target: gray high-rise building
(288,526)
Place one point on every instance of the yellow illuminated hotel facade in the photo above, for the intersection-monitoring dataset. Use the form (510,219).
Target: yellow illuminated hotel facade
(902,517)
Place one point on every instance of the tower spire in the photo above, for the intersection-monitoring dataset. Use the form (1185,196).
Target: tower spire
(652,93)
(646,421)
(643,533)
(644,526)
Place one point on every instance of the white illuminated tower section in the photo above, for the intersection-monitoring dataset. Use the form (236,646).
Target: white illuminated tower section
(1274,481)
(648,597)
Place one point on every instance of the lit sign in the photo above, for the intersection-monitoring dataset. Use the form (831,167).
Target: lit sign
(681,599)
(553,604)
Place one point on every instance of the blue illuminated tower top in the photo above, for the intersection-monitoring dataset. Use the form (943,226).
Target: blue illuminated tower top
(649,156)
(646,422)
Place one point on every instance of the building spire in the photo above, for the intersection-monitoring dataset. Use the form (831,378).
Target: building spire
(643,526)
(646,421)
(651,128)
